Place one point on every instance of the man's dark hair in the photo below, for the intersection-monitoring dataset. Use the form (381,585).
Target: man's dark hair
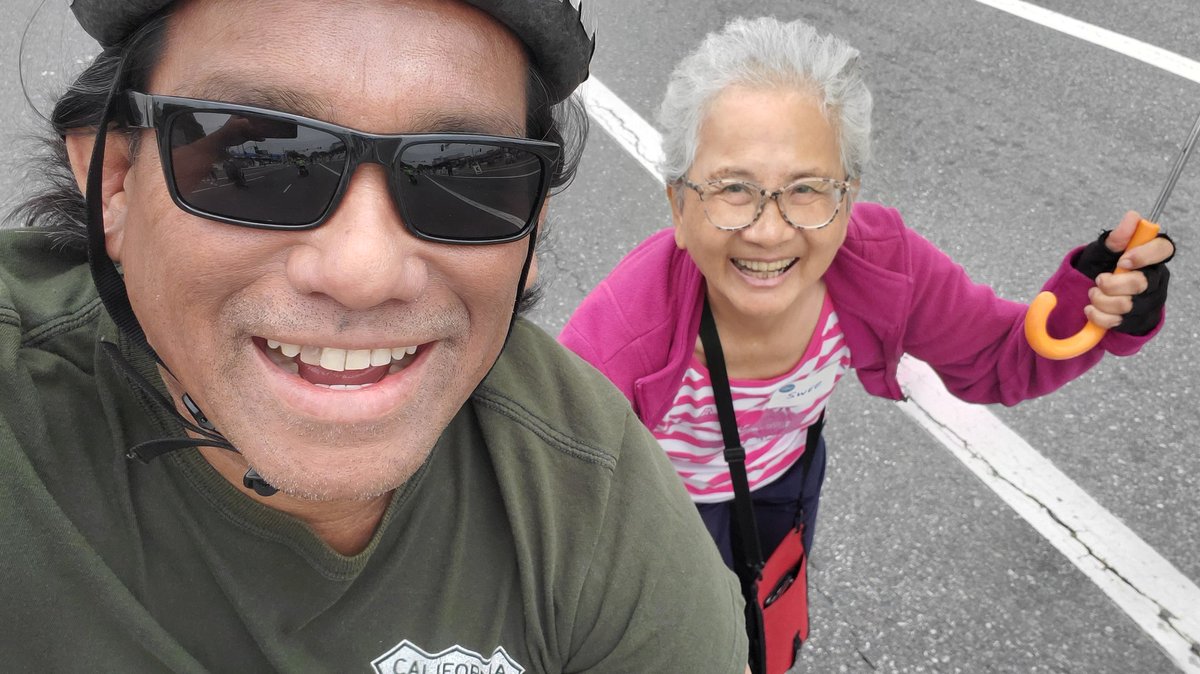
(59,207)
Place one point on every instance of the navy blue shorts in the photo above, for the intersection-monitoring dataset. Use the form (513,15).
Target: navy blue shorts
(777,507)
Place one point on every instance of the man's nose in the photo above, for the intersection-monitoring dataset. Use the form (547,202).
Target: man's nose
(363,255)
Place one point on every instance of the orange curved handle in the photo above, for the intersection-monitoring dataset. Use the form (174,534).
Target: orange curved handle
(1091,334)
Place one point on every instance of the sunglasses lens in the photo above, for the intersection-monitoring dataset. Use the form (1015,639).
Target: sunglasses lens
(254,168)
(470,192)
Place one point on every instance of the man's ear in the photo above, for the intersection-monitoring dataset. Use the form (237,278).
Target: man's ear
(531,278)
(117,163)
(675,198)
(540,227)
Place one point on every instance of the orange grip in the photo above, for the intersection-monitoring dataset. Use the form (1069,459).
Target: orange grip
(1145,233)
(1091,334)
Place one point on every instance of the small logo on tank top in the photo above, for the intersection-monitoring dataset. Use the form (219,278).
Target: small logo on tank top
(808,391)
(406,658)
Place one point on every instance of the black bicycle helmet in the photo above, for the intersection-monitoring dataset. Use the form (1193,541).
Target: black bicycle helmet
(551,30)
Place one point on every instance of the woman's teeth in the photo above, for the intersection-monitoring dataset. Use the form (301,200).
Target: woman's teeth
(341,360)
(759,267)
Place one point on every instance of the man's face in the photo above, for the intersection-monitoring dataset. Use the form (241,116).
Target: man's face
(213,298)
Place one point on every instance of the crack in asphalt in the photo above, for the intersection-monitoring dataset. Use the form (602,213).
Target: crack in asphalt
(1164,614)
(629,133)
(858,639)
(548,252)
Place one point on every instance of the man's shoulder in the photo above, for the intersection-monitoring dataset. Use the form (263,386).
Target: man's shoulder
(592,498)
(556,397)
(45,290)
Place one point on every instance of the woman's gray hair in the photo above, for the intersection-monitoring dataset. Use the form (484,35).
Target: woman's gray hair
(767,53)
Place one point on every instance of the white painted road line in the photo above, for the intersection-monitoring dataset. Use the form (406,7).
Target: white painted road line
(1156,595)
(1143,584)
(513,220)
(627,127)
(1122,44)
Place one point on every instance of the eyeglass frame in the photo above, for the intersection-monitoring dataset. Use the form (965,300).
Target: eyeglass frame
(154,111)
(763,196)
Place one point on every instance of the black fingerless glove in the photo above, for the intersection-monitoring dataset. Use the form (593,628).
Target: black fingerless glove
(1096,258)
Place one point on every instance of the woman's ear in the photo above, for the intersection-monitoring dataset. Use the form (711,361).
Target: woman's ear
(117,163)
(675,198)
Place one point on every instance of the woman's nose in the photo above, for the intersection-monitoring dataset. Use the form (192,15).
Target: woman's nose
(770,227)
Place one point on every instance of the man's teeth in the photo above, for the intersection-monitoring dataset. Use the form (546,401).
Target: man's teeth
(340,360)
(760,266)
(289,350)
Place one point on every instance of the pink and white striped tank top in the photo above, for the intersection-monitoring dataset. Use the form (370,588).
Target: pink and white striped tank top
(773,416)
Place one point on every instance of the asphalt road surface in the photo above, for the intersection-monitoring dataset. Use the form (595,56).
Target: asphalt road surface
(1004,142)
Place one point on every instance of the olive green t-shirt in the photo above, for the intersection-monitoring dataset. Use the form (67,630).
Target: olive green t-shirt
(546,532)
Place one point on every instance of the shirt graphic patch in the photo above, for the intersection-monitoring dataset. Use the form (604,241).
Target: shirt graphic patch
(406,658)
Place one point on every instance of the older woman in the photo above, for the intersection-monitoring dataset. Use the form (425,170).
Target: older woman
(766,133)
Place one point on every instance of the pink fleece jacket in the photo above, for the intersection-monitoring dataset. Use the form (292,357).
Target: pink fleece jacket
(894,292)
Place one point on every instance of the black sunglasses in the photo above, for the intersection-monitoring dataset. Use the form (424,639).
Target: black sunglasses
(261,168)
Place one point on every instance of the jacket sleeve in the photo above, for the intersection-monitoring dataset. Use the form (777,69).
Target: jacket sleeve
(591,331)
(975,340)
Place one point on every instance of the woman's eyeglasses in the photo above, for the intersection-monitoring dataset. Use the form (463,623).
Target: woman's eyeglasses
(261,168)
(808,203)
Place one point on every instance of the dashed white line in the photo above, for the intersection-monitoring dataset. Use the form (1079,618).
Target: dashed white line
(1157,596)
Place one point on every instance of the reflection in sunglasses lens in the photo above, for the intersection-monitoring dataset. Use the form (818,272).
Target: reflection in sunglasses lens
(467,191)
(265,170)
(254,168)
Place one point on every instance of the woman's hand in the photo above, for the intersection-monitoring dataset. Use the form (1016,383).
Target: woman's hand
(1127,302)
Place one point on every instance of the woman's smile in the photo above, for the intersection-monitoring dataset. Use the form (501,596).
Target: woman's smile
(764,269)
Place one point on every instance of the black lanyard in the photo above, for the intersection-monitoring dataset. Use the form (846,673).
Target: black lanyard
(735,455)
(745,527)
